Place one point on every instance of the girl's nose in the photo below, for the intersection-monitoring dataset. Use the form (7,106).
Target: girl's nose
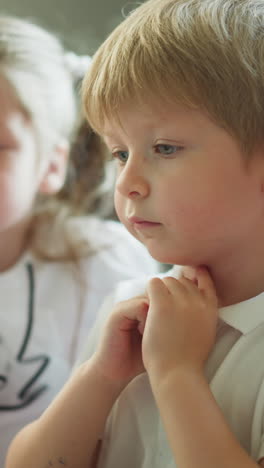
(131,181)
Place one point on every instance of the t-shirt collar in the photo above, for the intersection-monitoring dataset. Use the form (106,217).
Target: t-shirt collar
(244,316)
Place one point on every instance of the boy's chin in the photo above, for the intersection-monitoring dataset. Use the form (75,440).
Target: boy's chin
(168,259)
(164,258)
(163,255)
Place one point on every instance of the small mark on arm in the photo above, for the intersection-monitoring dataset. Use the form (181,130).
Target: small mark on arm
(62,461)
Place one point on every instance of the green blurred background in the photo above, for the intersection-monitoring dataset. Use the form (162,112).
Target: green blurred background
(82,24)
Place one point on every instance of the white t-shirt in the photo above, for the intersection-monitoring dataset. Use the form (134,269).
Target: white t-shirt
(45,314)
(134,435)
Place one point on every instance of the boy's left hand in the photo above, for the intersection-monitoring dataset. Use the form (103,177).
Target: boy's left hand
(181,323)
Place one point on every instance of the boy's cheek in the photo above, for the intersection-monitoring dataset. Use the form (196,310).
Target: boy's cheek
(120,207)
(118,204)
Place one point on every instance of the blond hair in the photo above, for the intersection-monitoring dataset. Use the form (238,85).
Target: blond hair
(206,54)
(37,67)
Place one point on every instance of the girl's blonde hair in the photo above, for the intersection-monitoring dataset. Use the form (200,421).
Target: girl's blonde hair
(206,54)
(38,69)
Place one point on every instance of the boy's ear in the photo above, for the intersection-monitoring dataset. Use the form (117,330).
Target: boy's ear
(54,177)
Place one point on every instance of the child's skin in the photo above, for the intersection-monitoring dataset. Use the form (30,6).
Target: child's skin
(180,171)
(22,174)
(202,194)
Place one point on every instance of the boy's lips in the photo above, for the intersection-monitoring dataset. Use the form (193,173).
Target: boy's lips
(141,223)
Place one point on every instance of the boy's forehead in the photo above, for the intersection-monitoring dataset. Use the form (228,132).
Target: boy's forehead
(141,113)
(157,115)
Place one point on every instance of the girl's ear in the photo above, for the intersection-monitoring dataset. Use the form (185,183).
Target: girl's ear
(54,177)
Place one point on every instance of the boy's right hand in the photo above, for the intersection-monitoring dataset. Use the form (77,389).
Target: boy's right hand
(119,355)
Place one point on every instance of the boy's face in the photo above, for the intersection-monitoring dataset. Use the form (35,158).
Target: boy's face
(183,188)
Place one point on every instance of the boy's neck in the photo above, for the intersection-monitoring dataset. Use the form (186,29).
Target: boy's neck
(241,277)
(238,289)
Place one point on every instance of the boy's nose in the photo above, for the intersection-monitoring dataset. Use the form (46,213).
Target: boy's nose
(132,183)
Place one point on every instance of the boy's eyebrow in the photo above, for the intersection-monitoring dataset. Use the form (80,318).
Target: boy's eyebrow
(107,138)
(107,143)
(108,135)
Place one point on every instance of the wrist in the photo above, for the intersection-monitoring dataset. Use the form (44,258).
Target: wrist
(174,377)
(111,386)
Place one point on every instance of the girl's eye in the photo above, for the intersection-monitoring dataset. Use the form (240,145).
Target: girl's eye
(168,149)
(122,156)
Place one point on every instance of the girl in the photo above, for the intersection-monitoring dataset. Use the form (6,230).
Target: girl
(189,149)
(56,264)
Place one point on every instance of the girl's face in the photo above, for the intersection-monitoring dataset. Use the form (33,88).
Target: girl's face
(22,170)
(18,161)
(183,188)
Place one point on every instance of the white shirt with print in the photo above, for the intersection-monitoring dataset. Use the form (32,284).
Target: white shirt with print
(45,314)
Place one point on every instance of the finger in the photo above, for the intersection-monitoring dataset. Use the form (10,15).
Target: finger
(161,290)
(141,325)
(142,297)
(174,285)
(189,273)
(157,290)
(132,311)
(190,285)
(206,284)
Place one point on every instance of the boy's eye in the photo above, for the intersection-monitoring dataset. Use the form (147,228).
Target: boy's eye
(122,156)
(4,147)
(168,149)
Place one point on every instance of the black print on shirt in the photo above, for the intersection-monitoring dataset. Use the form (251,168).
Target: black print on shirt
(26,394)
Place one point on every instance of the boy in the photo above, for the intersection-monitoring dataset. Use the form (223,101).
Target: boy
(177,93)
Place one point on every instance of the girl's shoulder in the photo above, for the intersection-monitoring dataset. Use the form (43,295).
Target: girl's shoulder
(107,251)
(116,251)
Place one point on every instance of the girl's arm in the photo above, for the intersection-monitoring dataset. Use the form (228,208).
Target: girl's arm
(68,431)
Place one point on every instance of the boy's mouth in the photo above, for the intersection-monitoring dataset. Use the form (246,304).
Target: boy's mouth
(141,223)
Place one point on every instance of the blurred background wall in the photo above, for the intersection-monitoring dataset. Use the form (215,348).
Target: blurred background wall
(82,24)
